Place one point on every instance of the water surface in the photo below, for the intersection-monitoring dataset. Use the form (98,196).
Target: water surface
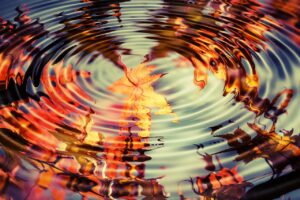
(160,99)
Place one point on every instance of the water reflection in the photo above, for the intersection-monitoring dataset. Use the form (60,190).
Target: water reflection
(82,116)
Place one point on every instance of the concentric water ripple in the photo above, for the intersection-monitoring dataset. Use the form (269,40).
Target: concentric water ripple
(133,99)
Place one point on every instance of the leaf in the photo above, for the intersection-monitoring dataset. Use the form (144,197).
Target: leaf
(279,143)
(237,139)
(141,97)
(226,183)
(279,151)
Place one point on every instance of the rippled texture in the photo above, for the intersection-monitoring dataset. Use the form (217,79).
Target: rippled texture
(133,99)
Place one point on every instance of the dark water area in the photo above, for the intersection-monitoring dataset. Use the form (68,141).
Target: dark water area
(161,99)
